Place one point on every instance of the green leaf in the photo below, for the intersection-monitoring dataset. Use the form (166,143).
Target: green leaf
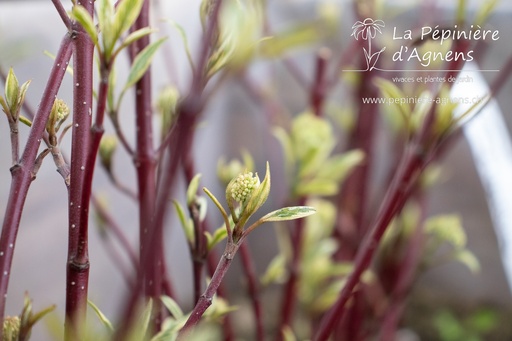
(219,309)
(140,329)
(288,334)
(80,14)
(339,167)
(142,62)
(289,213)
(275,271)
(461,12)
(483,13)
(127,12)
(484,320)
(328,296)
(217,237)
(172,306)
(105,22)
(183,36)
(23,92)
(25,121)
(286,143)
(192,189)
(447,228)
(317,186)
(392,92)
(186,223)
(219,206)
(101,316)
(4,105)
(281,43)
(134,36)
(467,258)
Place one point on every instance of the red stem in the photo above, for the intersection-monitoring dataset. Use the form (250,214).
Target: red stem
(77,276)
(22,172)
(227,326)
(206,299)
(145,164)
(180,142)
(396,196)
(254,290)
(319,89)
(290,288)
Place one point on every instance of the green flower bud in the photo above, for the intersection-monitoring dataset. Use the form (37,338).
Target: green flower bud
(166,106)
(108,147)
(59,113)
(11,328)
(243,186)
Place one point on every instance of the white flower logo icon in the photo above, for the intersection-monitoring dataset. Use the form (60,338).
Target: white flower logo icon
(367,30)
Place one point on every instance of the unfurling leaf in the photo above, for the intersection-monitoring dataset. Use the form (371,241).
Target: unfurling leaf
(186,223)
(216,238)
(192,189)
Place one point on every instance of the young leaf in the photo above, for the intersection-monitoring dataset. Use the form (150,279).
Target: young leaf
(134,36)
(183,36)
(275,270)
(140,329)
(317,186)
(447,228)
(142,62)
(105,22)
(101,316)
(339,166)
(288,334)
(80,14)
(467,258)
(25,121)
(216,238)
(392,92)
(288,213)
(172,306)
(192,189)
(5,107)
(221,209)
(484,12)
(186,223)
(286,143)
(127,12)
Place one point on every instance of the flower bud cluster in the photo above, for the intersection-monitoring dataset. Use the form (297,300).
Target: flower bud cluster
(243,186)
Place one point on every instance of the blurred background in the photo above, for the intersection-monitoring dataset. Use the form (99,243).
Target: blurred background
(29,28)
